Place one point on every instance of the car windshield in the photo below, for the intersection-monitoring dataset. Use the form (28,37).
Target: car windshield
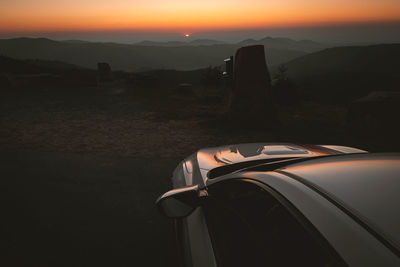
(251,228)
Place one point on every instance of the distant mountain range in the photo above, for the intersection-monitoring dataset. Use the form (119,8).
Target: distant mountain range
(150,55)
(341,74)
(196,42)
(269,42)
(336,75)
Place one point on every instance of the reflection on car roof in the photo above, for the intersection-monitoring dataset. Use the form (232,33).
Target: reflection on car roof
(362,183)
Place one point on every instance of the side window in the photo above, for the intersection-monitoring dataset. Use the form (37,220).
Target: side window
(249,227)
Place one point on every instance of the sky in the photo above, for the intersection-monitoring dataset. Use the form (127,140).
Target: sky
(172,19)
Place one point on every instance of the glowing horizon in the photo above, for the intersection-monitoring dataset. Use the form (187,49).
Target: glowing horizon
(188,15)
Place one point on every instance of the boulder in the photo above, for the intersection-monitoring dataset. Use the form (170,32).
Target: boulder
(104,72)
(5,83)
(374,118)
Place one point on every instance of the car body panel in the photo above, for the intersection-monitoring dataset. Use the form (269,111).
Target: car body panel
(353,242)
(363,184)
(201,249)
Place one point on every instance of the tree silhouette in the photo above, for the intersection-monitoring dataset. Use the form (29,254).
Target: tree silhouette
(284,89)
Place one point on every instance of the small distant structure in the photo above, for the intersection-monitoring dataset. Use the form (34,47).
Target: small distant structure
(227,75)
(104,72)
(249,80)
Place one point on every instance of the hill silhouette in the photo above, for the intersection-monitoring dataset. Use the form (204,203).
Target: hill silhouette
(14,66)
(144,57)
(342,74)
(38,74)
(286,43)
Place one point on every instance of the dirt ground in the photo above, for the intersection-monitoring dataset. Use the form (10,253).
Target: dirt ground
(98,122)
(81,169)
(107,125)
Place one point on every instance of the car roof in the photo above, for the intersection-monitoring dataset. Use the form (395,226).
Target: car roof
(365,186)
(227,159)
(230,154)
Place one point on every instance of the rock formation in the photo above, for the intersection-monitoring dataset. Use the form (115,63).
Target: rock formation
(250,96)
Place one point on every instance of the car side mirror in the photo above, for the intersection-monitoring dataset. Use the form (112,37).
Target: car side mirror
(179,203)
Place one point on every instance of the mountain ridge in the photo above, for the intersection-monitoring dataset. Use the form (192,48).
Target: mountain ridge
(343,74)
(130,57)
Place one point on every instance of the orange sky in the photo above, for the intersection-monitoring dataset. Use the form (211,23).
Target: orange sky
(187,15)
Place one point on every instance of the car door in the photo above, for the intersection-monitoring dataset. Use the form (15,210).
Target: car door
(249,226)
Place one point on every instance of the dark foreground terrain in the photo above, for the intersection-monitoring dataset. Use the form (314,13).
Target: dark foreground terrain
(66,209)
(81,167)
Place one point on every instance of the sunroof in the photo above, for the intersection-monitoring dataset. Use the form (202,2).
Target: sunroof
(283,150)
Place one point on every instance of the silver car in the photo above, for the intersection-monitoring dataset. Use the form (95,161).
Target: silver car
(286,205)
